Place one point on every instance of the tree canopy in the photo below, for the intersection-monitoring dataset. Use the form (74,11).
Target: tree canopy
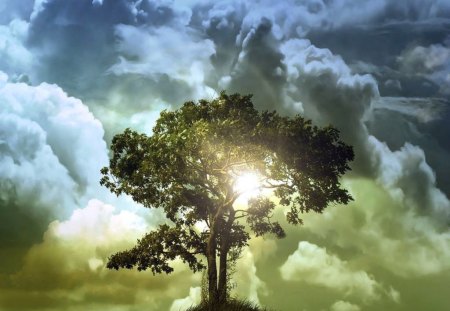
(189,167)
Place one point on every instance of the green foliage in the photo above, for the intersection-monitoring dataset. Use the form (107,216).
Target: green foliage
(188,168)
(231,305)
(158,247)
(259,214)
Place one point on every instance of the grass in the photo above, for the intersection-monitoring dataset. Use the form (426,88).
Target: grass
(231,305)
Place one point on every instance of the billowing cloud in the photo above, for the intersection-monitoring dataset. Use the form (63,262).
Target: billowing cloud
(329,93)
(10,10)
(75,41)
(15,59)
(421,60)
(432,62)
(258,68)
(69,265)
(248,284)
(312,264)
(191,300)
(137,46)
(53,144)
(51,151)
(388,231)
(407,176)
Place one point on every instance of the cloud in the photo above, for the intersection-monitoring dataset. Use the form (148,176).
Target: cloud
(19,9)
(422,60)
(332,61)
(95,51)
(15,58)
(258,68)
(418,10)
(81,35)
(312,14)
(385,231)
(92,232)
(248,284)
(69,266)
(407,176)
(314,265)
(293,19)
(344,306)
(329,93)
(56,138)
(137,48)
(191,300)
(422,110)
(432,61)
(420,122)
(51,151)
(25,156)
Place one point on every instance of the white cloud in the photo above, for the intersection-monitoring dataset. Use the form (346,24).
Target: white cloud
(177,53)
(344,306)
(407,176)
(329,93)
(53,145)
(89,236)
(30,173)
(248,284)
(312,264)
(70,265)
(432,62)
(97,2)
(191,300)
(15,58)
(425,59)
(389,233)
(10,10)
(314,74)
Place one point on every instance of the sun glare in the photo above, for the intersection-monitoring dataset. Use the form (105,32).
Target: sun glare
(248,185)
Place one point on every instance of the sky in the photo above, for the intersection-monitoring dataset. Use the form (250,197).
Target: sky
(73,73)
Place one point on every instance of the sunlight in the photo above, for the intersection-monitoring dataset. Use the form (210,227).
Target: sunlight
(248,184)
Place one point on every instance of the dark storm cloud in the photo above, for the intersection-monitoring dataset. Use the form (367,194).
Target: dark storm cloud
(331,94)
(431,62)
(403,46)
(258,69)
(221,22)
(379,44)
(75,39)
(18,9)
(420,121)
(82,45)
(383,38)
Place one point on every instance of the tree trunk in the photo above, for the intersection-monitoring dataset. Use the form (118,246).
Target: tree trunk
(223,273)
(224,248)
(212,269)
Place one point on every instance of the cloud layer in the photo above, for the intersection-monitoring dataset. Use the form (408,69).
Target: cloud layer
(74,73)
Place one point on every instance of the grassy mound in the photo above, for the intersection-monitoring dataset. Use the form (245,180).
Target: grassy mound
(232,305)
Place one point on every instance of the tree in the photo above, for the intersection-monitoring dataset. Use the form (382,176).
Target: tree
(191,166)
